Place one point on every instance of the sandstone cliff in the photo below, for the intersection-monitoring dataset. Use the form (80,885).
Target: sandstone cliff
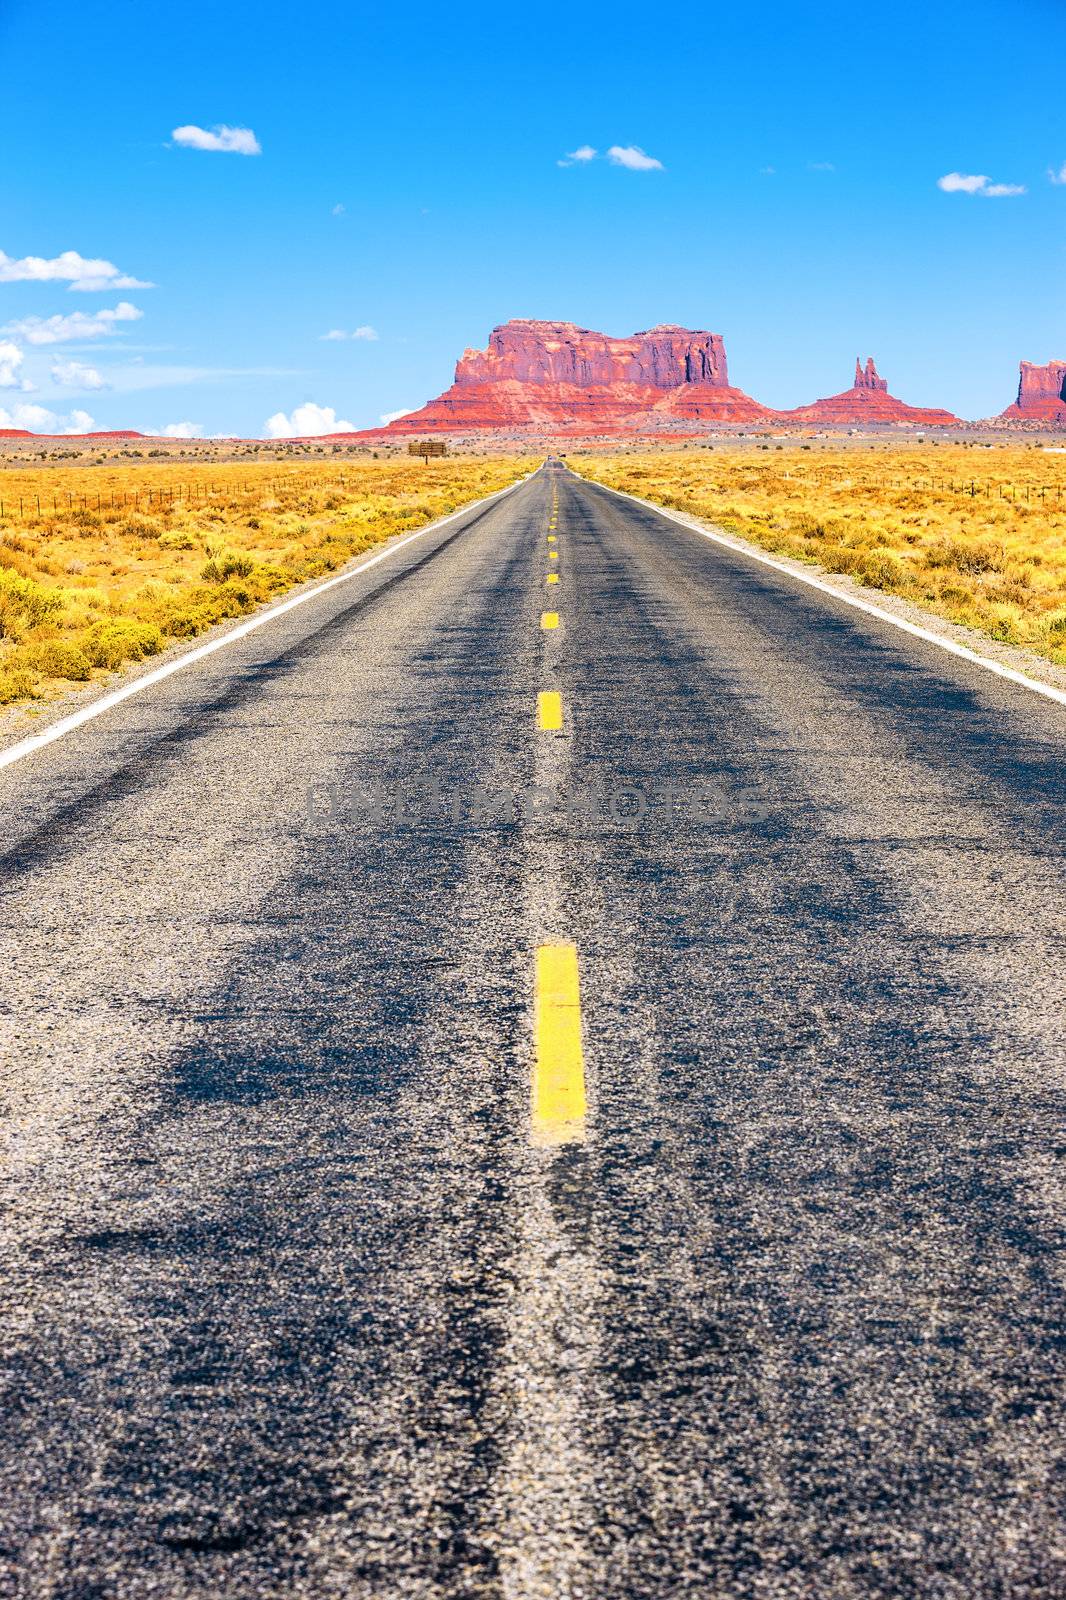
(1041,393)
(555,375)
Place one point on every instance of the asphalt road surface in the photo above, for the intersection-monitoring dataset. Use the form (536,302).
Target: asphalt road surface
(454,1156)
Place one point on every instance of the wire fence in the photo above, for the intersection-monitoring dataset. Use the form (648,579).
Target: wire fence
(967,488)
(56,502)
(988,490)
(193,494)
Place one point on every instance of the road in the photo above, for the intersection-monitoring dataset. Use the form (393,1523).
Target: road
(452,1156)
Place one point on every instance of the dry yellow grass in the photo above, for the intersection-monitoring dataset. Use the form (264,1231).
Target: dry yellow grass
(119,561)
(975,535)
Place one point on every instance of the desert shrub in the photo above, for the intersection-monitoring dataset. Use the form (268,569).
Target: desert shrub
(139,527)
(15,684)
(24,603)
(59,658)
(270,578)
(972,556)
(187,620)
(218,568)
(881,570)
(119,639)
(15,561)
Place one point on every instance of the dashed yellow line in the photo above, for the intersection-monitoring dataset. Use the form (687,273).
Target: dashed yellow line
(553,577)
(549,619)
(553,555)
(549,710)
(552,539)
(558,1089)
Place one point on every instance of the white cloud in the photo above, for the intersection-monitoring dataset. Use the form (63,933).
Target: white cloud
(820,166)
(394,416)
(584,152)
(338,211)
(77,375)
(307,422)
(11,359)
(767,172)
(1057,177)
(366,332)
(232,141)
(23,416)
(78,272)
(182,430)
(38,419)
(79,325)
(977,183)
(633,157)
(962,182)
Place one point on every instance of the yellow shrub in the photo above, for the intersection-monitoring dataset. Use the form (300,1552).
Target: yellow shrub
(109,644)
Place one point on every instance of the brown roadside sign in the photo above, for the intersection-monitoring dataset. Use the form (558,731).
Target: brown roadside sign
(427,447)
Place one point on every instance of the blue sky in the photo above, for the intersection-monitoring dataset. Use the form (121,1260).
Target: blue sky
(796,209)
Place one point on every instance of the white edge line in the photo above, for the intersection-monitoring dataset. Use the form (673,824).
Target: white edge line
(813,582)
(77,719)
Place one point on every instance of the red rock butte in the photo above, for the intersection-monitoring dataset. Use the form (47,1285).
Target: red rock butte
(111,433)
(1041,393)
(868,403)
(559,377)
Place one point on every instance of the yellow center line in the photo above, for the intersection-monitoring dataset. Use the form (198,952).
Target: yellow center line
(553,577)
(558,1089)
(549,710)
(552,539)
(553,555)
(549,619)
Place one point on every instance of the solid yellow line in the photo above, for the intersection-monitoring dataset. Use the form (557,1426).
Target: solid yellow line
(549,619)
(558,1089)
(553,577)
(550,710)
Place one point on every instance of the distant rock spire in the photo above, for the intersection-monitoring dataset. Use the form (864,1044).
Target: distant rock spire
(866,377)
